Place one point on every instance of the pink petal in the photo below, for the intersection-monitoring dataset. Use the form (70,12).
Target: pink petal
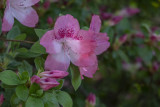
(51,45)
(27,16)
(24,3)
(8,19)
(83,59)
(95,23)
(88,71)
(57,62)
(54,74)
(66,26)
(102,43)
(35,79)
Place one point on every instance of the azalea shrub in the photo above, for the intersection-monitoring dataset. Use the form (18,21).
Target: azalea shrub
(79,53)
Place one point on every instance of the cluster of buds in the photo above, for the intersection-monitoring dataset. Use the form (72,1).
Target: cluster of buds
(48,79)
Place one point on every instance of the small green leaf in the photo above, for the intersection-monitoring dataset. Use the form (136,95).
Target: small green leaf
(76,78)
(40,32)
(37,48)
(15,101)
(145,29)
(39,62)
(22,92)
(15,31)
(34,102)
(64,99)
(60,85)
(50,100)
(9,77)
(110,33)
(24,76)
(25,66)
(33,89)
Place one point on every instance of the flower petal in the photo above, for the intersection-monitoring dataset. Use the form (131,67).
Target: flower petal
(8,19)
(88,71)
(57,62)
(51,45)
(102,43)
(95,23)
(27,16)
(24,3)
(66,26)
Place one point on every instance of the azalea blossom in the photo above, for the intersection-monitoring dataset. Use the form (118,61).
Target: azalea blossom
(22,11)
(91,100)
(126,12)
(66,42)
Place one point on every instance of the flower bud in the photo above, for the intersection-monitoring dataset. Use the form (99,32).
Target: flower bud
(1,99)
(35,79)
(49,20)
(91,100)
(54,74)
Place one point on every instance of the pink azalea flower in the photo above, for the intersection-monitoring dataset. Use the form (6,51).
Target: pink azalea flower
(115,20)
(128,12)
(91,99)
(123,38)
(54,74)
(48,83)
(1,99)
(66,42)
(22,11)
(46,4)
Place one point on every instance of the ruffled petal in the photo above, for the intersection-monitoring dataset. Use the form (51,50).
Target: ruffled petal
(102,43)
(8,19)
(51,45)
(95,23)
(66,26)
(24,3)
(27,16)
(88,71)
(57,62)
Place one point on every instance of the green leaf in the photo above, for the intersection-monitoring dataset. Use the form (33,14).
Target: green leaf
(9,77)
(24,76)
(22,92)
(60,85)
(145,29)
(16,44)
(76,78)
(64,99)
(34,102)
(40,32)
(50,100)
(34,90)
(0,26)
(110,33)
(15,101)
(15,31)
(25,67)
(39,62)
(37,48)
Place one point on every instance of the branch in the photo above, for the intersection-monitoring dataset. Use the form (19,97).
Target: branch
(3,39)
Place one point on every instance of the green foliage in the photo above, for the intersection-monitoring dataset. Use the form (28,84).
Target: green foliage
(76,77)
(22,92)
(37,48)
(34,102)
(40,32)
(9,77)
(39,62)
(64,99)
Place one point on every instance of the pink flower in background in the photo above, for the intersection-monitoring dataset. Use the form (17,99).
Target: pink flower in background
(139,35)
(91,100)
(106,16)
(66,42)
(123,38)
(46,4)
(54,74)
(1,99)
(49,20)
(115,20)
(22,11)
(128,12)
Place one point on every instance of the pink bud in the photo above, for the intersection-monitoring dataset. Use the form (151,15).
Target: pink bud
(155,66)
(128,12)
(54,74)
(140,35)
(123,38)
(106,16)
(115,20)
(48,83)
(46,4)
(91,99)
(1,99)
(35,79)
(154,28)
(49,20)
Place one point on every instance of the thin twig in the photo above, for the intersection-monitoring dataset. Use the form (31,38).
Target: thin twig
(2,39)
